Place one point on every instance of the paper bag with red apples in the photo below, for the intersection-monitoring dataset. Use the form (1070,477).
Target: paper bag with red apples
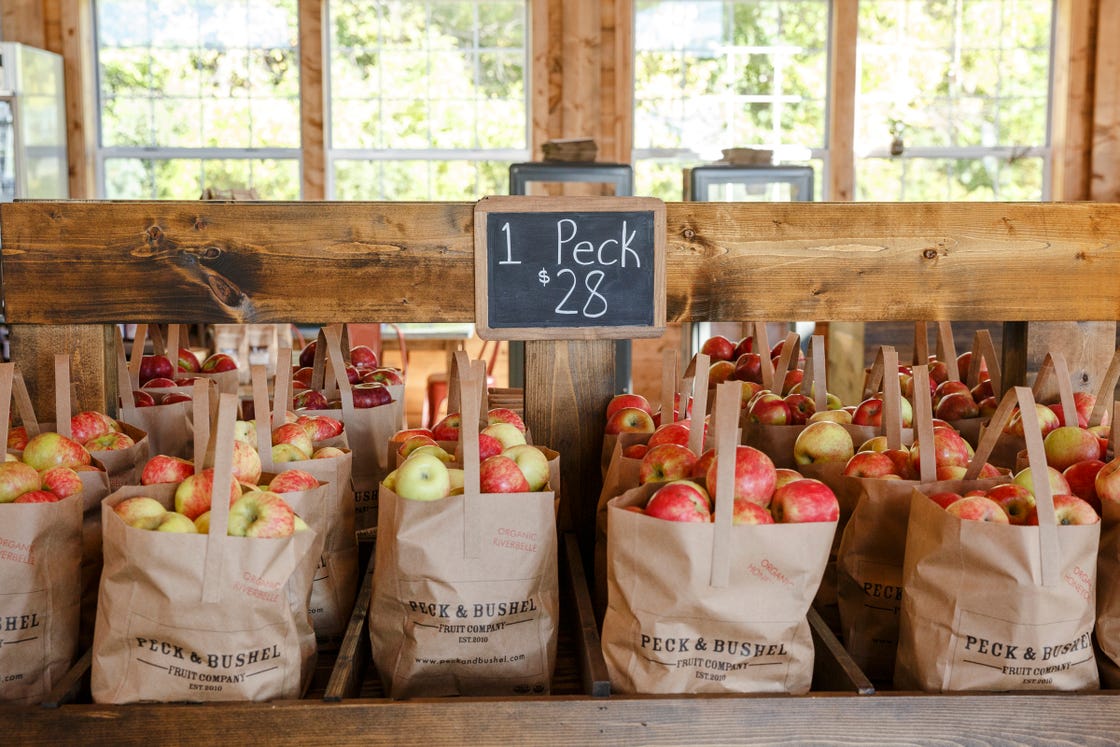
(371,413)
(465,587)
(214,615)
(162,411)
(872,545)
(698,604)
(320,491)
(40,574)
(1107,487)
(673,450)
(990,605)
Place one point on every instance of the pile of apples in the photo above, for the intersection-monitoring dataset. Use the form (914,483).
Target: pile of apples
(508,463)
(295,439)
(762,493)
(95,431)
(157,372)
(737,361)
(46,472)
(952,455)
(1014,502)
(255,510)
(369,381)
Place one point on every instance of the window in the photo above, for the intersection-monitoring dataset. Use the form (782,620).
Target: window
(428,100)
(717,74)
(960,88)
(196,94)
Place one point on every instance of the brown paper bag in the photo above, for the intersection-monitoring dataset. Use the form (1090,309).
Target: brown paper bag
(872,545)
(95,486)
(368,429)
(997,606)
(1108,577)
(189,617)
(40,574)
(465,589)
(168,426)
(704,608)
(328,509)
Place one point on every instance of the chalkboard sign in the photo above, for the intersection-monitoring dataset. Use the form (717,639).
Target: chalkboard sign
(569,267)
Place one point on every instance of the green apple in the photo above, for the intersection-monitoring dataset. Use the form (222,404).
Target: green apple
(423,477)
(532,462)
(506,433)
(173,521)
(141,512)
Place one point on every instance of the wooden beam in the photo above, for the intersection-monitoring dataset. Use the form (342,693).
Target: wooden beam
(840,165)
(1105,181)
(77,50)
(544,63)
(210,262)
(312,102)
(92,364)
(23,21)
(616,138)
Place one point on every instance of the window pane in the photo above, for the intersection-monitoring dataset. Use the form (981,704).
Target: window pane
(922,179)
(186,178)
(437,75)
(712,75)
(189,53)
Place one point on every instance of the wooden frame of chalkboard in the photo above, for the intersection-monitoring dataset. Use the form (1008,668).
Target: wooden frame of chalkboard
(569,268)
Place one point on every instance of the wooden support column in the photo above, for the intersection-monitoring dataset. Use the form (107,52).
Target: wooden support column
(312,105)
(92,364)
(568,384)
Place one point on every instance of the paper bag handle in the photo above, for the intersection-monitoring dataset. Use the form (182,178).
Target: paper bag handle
(921,345)
(873,382)
(333,335)
(891,422)
(468,442)
(787,359)
(670,363)
(62,406)
(728,396)
(7,376)
(23,406)
(126,400)
(699,405)
(281,388)
(258,375)
(984,350)
(762,337)
(1105,391)
(217,540)
(1054,365)
(923,422)
(815,370)
(947,350)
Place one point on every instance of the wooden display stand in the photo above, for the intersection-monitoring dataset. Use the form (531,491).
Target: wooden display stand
(72,270)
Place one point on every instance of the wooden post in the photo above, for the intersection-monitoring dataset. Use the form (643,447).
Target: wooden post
(567,386)
(92,364)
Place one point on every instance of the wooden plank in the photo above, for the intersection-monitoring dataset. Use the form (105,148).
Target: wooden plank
(1013,367)
(1087,346)
(354,657)
(312,102)
(363,262)
(901,719)
(1105,180)
(569,384)
(23,21)
(593,668)
(834,670)
(1071,109)
(81,110)
(73,683)
(840,172)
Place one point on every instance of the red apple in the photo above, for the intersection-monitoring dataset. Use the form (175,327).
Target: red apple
(1069,444)
(166,469)
(384,375)
(956,406)
(749,512)
(770,411)
(414,442)
(748,367)
(505,415)
(744,345)
(870,464)
(951,386)
(91,424)
(805,500)
(17,438)
(1058,484)
(142,399)
(719,372)
(718,348)
(680,500)
(627,399)
(52,450)
(192,496)
(1107,482)
(869,412)
(310,399)
(159,382)
(172,397)
(303,376)
(1069,509)
(37,496)
(982,391)
(754,476)
(307,355)
(978,508)
(1015,500)
(320,427)
(635,451)
(363,356)
(371,394)
(294,434)
(801,408)
(666,462)
(703,462)
(792,379)
(945,497)
(246,462)
(784,475)
(218,362)
(262,514)
(670,433)
(1082,477)
(500,474)
(293,481)
(62,481)
(17,478)
(1047,421)
(949,450)
(155,366)
(447,429)
(187,361)
(488,446)
(111,441)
